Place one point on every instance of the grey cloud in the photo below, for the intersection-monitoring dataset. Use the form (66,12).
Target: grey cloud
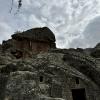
(66,18)
(92,32)
(5,31)
(91,35)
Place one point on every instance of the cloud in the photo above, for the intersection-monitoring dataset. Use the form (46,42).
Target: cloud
(70,20)
(92,32)
(91,35)
(5,31)
(35,22)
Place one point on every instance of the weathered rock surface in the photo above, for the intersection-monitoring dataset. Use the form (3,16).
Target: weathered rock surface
(32,68)
(19,77)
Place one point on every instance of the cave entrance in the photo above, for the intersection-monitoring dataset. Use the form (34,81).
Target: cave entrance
(79,94)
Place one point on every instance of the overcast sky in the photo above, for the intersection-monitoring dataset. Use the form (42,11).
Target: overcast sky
(76,23)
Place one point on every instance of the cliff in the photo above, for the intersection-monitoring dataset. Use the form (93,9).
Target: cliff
(19,78)
(51,74)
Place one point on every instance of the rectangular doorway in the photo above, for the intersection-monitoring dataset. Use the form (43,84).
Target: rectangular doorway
(79,94)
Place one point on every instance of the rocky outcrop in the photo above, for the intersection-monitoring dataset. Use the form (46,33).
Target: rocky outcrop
(50,75)
(82,62)
(20,77)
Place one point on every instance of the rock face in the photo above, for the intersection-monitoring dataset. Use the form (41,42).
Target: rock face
(49,76)
(59,74)
(35,40)
(0,47)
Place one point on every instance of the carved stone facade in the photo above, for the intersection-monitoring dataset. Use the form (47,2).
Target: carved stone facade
(33,46)
(35,40)
(68,87)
